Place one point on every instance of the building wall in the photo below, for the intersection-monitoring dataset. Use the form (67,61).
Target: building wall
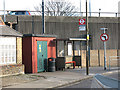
(65,27)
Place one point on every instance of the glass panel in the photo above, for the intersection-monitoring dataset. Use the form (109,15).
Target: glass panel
(3,47)
(10,47)
(9,54)
(69,48)
(6,60)
(9,59)
(2,59)
(5,53)
(13,47)
(0,47)
(2,54)
(13,59)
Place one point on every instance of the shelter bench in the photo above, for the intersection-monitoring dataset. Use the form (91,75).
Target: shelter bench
(71,62)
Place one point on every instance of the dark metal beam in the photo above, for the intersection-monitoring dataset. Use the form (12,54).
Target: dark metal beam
(73,48)
(87,46)
(43,20)
(56,49)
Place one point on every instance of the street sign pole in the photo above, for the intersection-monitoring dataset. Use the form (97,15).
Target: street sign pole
(104,48)
(104,54)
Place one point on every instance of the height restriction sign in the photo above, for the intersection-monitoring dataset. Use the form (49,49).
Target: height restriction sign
(104,37)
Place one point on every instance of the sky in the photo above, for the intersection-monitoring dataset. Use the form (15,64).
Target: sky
(104,5)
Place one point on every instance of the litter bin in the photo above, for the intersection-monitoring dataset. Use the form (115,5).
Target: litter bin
(51,64)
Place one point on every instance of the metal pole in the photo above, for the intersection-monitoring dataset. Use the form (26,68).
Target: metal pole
(80,9)
(56,48)
(109,63)
(43,20)
(73,48)
(99,12)
(87,46)
(104,54)
(90,7)
(4,11)
(81,52)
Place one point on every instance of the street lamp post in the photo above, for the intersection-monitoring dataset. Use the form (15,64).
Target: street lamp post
(80,9)
(87,41)
(90,7)
(104,29)
(99,12)
(43,18)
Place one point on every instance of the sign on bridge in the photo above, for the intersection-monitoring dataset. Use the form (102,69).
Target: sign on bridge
(82,26)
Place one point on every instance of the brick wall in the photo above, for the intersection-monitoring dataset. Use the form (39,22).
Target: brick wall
(83,58)
(94,58)
(97,57)
(15,69)
(111,53)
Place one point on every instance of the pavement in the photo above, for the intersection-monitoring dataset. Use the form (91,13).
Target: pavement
(55,79)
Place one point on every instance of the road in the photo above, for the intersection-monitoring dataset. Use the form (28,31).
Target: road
(90,83)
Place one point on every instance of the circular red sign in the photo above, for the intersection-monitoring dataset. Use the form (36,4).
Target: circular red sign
(104,37)
(81,21)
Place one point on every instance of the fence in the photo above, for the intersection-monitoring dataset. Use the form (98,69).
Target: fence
(56,13)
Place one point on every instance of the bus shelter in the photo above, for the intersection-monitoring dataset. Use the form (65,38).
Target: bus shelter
(69,48)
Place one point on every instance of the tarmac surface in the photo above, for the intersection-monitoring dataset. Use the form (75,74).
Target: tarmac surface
(107,82)
(53,79)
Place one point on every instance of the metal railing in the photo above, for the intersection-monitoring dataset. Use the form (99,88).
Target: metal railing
(55,13)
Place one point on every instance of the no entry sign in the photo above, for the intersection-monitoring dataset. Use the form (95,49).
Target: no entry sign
(104,37)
